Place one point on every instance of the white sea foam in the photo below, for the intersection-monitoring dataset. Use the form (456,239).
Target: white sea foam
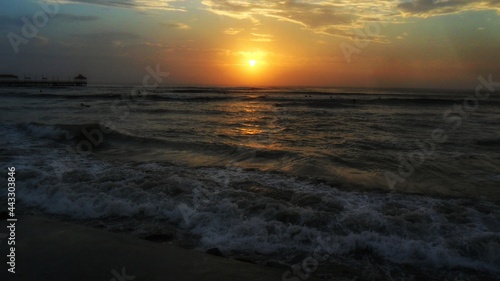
(269,214)
(46,131)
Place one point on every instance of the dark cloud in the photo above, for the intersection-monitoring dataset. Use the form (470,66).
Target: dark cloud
(177,25)
(108,36)
(436,7)
(77,18)
(136,4)
(9,21)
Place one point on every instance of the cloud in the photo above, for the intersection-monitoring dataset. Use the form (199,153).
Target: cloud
(132,4)
(41,40)
(326,17)
(258,37)
(154,45)
(18,22)
(342,17)
(177,25)
(77,18)
(262,35)
(427,8)
(107,36)
(233,31)
(110,43)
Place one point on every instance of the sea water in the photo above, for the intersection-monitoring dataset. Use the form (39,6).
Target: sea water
(378,182)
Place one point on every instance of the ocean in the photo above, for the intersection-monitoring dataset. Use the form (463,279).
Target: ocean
(373,184)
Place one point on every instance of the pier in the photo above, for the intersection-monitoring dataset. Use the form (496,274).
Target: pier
(7,80)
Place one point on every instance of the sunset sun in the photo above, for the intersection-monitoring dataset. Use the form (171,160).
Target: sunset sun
(252,63)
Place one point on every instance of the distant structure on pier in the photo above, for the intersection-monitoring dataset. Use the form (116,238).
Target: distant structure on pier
(9,80)
(81,78)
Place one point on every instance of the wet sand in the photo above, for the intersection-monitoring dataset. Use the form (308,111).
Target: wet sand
(53,250)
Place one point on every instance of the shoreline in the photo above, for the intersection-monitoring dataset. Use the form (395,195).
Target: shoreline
(52,250)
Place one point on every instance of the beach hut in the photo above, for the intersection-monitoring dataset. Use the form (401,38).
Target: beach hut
(80,78)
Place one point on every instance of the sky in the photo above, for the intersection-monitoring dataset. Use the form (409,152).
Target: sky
(361,43)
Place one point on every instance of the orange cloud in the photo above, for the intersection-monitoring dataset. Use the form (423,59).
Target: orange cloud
(342,17)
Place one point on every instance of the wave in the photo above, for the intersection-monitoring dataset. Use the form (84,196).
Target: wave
(281,97)
(54,132)
(417,101)
(78,132)
(102,138)
(489,142)
(187,98)
(199,90)
(190,111)
(128,97)
(353,102)
(261,215)
(72,95)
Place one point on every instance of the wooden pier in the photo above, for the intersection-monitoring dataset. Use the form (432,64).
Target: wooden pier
(43,83)
(8,80)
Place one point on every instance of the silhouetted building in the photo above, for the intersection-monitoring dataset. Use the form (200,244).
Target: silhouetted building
(80,78)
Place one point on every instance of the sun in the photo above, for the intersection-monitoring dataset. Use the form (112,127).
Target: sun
(252,63)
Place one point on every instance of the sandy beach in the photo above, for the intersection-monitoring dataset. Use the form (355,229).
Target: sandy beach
(52,250)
